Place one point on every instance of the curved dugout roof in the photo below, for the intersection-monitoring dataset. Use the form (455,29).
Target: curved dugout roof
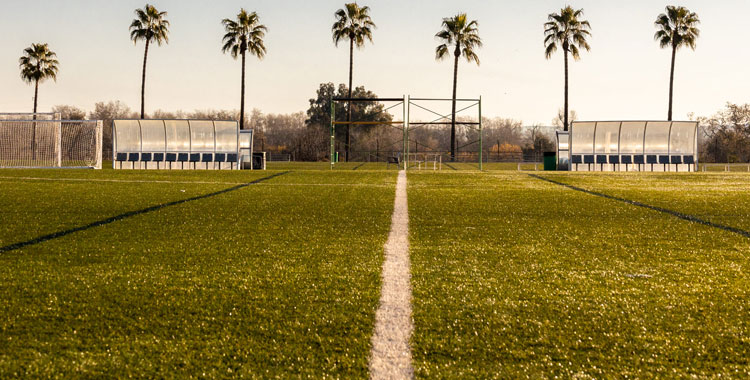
(634,138)
(199,136)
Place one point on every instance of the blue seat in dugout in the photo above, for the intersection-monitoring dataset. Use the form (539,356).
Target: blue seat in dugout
(630,145)
(176,144)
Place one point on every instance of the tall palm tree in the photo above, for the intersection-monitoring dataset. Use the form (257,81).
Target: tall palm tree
(353,23)
(245,34)
(150,25)
(677,27)
(460,37)
(38,63)
(568,30)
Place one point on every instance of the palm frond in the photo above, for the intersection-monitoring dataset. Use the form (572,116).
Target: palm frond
(460,35)
(677,27)
(38,63)
(568,30)
(353,23)
(244,34)
(150,25)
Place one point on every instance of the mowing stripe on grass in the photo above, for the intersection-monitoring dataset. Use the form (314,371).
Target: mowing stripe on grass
(391,354)
(449,165)
(129,214)
(359,166)
(689,218)
(8,180)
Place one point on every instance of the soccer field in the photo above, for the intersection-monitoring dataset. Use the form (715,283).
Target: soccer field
(278,273)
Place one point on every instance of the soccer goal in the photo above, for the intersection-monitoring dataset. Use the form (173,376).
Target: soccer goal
(426,161)
(45,141)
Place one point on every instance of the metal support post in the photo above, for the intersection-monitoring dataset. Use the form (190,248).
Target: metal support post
(333,132)
(481,133)
(407,115)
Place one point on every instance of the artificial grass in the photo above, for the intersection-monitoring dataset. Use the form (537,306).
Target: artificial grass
(720,198)
(275,280)
(514,277)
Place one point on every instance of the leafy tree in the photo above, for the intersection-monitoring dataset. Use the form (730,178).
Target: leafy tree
(678,27)
(319,113)
(460,37)
(245,34)
(108,111)
(353,23)
(726,135)
(38,63)
(69,112)
(569,31)
(149,26)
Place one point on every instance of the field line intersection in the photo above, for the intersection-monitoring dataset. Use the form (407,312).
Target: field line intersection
(362,273)
(117,218)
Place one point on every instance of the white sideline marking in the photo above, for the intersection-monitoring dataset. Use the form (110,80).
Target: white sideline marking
(391,355)
(9,179)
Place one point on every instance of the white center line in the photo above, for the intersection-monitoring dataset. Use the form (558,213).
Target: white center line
(391,353)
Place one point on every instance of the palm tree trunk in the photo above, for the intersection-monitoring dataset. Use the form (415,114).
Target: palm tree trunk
(671,83)
(33,127)
(242,94)
(36,96)
(565,117)
(453,106)
(143,82)
(349,107)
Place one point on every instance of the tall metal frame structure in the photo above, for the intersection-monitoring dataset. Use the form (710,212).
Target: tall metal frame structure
(402,124)
(405,125)
(445,120)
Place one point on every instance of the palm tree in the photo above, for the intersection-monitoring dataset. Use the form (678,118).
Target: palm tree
(353,23)
(460,36)
(568,30)
(37,64)
(677,27)
(243,35)
(149,25)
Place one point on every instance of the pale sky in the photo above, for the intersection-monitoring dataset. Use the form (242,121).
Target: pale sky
(625,76)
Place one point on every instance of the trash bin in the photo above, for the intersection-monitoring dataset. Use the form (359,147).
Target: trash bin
(550,161)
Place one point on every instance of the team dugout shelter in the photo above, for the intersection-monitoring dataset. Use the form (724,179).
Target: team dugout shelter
(620,146)
(181,145)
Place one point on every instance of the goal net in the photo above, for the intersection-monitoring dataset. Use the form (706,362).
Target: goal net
(48,143)
(426,161)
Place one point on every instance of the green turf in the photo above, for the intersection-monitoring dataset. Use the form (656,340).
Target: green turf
(720,198)
(514,277)
(279,279)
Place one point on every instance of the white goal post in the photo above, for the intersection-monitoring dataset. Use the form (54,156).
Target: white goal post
(49,142)
(429,161)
